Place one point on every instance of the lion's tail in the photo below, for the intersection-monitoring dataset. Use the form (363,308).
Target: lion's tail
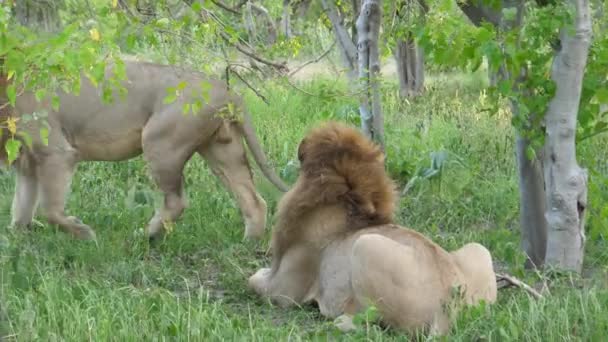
(258,154)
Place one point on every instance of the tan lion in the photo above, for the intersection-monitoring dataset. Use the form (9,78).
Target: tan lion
(334,243)
(87,129)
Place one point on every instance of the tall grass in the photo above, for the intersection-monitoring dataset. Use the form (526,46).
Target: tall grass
(193,286)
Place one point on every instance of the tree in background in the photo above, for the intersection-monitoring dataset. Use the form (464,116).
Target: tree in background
(539,53)
(370,107)
(409,55)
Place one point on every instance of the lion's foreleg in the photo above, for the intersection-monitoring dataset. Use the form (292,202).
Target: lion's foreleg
(54,175)
(293,282)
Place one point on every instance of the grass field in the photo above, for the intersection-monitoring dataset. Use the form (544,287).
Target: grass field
(193,286)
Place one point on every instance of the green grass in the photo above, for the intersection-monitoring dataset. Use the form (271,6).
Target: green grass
(193,286)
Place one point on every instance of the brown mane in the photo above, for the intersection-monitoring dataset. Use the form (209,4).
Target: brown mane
(339,165)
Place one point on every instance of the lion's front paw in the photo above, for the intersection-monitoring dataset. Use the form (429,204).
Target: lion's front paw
(345,323)
(259,280)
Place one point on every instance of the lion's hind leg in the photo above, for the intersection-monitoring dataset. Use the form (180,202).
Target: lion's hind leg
(475,263)
(228,161)
(395,279)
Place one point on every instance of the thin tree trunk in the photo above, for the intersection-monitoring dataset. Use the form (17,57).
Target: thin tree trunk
(531,204)
(348,49)
(368,29)
(43,15)
(286,19)
(409,57)
(565,180)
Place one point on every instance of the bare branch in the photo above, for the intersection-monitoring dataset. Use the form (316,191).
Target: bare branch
(348,48)
(223,6)
(230,69)
(316,60)
(508,280)
(281,67)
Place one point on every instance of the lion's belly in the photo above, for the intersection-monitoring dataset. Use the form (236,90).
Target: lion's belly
(108,147)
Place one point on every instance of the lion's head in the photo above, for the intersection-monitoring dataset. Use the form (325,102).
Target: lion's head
(339,164)
(342,169)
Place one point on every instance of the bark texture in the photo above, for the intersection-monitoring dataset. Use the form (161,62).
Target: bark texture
(368,31)
(43,15)
(531,205)
(286,19)
(565,180)
(409,57)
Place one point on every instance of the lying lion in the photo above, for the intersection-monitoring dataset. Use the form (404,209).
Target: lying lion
(334,244)
(86,129)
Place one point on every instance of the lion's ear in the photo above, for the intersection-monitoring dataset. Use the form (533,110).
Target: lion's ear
(301,150)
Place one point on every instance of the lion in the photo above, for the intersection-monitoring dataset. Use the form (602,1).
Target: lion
(335,243)
(87,129)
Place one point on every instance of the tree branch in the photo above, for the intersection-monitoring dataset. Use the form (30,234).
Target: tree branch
(508,281)
(230,69)
(316,60)
(348,48)
(281,67)
(223,6)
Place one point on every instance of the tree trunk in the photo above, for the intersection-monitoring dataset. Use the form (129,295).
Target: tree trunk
(286,19)
(531,204)
(532,199)
(565,180)
(368,30)
(42,15)
(348,49)
(409,57)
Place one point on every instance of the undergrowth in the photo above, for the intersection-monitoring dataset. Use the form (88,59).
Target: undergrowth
(453,161)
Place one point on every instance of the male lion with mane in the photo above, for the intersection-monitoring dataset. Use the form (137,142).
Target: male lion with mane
(334,243)
(87,129)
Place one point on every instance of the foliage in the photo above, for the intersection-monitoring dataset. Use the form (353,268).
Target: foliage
(96,34)
(526,49)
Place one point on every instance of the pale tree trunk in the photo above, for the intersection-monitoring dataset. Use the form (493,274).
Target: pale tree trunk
(348,50)
(532,200)
(368,30)
(42,15)
(286,19)
(409,57)
(565,180)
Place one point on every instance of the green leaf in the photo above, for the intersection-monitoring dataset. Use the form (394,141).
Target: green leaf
(11,93)
(26,137)
(55,102)
(186,108)
(181,85)
(530,153)
(44,135)
(170,98)
(12,147)
(601,95)
(40,93)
